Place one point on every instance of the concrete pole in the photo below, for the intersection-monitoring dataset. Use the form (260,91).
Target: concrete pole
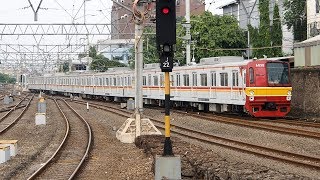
(188,35)
(138,74)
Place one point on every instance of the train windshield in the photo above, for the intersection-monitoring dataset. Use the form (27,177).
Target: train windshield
(278,73)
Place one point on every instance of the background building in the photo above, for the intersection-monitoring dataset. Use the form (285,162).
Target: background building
(241,12)
(122,25)
(313,18)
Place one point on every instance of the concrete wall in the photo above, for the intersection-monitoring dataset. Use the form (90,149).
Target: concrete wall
(307,56)
(305,92)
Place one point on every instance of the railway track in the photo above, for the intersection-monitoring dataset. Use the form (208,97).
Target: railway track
(73,150)
(6,123)
(265,152)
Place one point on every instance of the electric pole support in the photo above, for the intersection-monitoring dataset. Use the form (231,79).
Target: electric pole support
(137,125)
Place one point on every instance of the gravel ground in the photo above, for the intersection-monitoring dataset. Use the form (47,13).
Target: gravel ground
(111,159)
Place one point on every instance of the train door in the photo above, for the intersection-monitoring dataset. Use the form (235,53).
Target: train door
(235,85)
(213,85)
(243,83)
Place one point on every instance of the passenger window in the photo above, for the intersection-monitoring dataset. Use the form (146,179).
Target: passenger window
(144,80)
(149,79)
(186,80)
(194,79)
(224,79)
(155,81)
(204,79)
(235,78)
(178,80)
(161,80)
(213,79)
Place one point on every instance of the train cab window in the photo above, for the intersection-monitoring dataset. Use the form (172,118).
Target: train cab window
(149,79)
(186,81)
(235,78)
(194,79)
(161,80)
(155,80)
(213,79)
(204,80)
(251,74)
(224,79)
(144,80)
(178,80)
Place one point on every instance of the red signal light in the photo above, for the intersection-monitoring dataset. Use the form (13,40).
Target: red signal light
(165,10)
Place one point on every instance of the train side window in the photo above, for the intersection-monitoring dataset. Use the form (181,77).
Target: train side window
(224,79)
(129,81)
(149,79)
(144,80)
(235,78)
(186,81)
(114,81)
(213,79)
(172,80)
(161,80)
(155,80)
(194,79)
(125,81)
(204,80)
(251,74)
(178,80)
(100,82)
(107,81)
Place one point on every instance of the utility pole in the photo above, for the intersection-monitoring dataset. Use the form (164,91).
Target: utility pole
(87,35)
(35,11)
(142,126)
(187,37)
(248,22)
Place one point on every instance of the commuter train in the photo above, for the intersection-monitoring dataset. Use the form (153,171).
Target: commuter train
(219,84)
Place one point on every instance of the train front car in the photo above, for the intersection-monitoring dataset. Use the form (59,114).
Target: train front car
(268,88)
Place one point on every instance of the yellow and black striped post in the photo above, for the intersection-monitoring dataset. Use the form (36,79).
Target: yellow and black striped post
(167,151)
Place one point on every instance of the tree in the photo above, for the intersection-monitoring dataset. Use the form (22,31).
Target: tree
(264,31)
(5,78)
(295,17)
(101,63)
(214,35)
(276,33)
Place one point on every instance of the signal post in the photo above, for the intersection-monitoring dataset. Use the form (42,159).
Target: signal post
(168,165)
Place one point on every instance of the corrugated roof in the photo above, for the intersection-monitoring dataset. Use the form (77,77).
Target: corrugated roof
(309,42)
(227,4)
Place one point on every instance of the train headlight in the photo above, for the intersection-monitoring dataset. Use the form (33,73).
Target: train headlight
(289,93)
(251,93)
(288,98)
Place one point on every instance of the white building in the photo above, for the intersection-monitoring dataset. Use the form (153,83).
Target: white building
(313,18)
(250,8)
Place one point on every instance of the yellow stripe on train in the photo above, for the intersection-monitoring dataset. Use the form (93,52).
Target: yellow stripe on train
(268,91)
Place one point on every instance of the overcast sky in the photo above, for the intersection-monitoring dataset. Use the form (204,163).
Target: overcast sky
(63,11)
